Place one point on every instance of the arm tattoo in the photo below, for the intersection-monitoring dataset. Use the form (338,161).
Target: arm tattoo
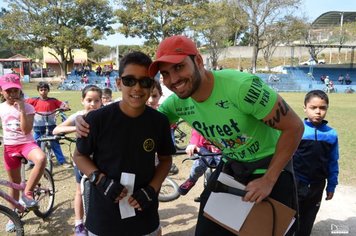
(282,110)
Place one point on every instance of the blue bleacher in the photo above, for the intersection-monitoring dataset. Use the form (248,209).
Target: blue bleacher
(299,79)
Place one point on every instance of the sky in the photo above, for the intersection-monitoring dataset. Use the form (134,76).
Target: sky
(311,8)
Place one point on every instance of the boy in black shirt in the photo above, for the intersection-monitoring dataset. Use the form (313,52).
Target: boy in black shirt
(124,138)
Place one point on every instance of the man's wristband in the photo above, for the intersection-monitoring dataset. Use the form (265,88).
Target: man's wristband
(94,177)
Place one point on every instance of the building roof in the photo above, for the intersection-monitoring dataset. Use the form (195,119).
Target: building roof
(334,18)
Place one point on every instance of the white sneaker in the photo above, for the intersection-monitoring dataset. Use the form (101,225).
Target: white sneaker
(28,202)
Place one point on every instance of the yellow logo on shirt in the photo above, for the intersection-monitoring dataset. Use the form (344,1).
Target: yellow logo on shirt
(148,145)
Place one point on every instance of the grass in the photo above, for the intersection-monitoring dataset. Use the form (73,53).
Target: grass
(341,115)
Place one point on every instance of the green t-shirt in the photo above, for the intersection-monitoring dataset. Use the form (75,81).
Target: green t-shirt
(231,118)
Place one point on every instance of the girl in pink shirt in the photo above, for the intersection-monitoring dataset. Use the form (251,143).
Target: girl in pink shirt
(17,121)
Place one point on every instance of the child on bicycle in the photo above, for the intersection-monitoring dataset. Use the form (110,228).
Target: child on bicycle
(17,121)
(124,139)
(315,160)
(197,144)
(91,100)
(47,105)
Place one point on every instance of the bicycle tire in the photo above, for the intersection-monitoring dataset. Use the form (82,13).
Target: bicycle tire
(168,191)
(44,193)
(182,135)
(47,150)
(7,214)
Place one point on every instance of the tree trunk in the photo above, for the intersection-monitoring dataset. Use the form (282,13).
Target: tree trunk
(254,58)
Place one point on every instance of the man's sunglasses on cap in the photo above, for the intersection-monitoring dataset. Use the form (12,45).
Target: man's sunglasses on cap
(130,81)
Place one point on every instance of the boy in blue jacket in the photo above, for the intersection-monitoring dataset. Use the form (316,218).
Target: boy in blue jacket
(316,160)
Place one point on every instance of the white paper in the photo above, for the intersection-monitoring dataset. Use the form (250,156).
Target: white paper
(227,208)
(128,180)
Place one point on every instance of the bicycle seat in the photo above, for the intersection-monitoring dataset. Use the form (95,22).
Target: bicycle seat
(19,155)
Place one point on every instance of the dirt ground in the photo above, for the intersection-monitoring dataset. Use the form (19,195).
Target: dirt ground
(178,218)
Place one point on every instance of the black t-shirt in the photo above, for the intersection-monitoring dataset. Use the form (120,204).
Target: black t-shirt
(123,144)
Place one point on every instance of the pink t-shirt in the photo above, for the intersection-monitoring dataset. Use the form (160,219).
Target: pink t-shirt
(10,118)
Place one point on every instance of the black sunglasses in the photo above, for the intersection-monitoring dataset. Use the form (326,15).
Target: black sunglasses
(144,82)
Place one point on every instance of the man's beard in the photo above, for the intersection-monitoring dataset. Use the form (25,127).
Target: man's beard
(196,80)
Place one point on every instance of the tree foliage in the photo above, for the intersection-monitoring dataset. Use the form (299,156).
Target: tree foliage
(155,20)
(283,32)
(260,15)
(215,25)
(62,25)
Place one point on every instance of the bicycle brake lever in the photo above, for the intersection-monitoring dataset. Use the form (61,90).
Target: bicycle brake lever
(219,187)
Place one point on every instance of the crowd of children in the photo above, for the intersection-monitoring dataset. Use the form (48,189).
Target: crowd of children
(143,132)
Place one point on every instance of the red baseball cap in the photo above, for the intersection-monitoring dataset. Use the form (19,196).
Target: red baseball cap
(10,81)
(173,50)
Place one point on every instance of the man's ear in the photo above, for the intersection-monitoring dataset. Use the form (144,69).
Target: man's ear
(118,83)
(199,60)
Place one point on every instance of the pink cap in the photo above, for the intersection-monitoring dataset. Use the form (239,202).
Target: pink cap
(10,81)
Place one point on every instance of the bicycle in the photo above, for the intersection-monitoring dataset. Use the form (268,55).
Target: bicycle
(169,188)
(46,139)
(43,193)
(210,162)
(182,133)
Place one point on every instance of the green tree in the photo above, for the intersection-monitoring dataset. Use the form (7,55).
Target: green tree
(260,15)
(99,52)
(62,25)
(216,34)
(283,32)
(155,20)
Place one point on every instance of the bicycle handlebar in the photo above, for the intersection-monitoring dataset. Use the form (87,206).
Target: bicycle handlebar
(53,112)
(56,137)
(203,157)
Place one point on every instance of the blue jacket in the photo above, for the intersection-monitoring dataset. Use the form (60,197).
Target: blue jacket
(316,158)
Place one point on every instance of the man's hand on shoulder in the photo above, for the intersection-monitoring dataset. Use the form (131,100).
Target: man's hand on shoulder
(82,127)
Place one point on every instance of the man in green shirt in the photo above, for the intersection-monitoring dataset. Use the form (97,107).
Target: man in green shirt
(248,121)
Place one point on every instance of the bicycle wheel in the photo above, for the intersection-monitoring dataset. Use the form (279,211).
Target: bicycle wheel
(182,134)
(44,193)
(169,190)
(6,214)
(46,148)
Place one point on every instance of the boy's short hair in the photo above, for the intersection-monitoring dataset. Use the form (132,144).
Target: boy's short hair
(43,85)
(316,93)
(137,58)
(107,91)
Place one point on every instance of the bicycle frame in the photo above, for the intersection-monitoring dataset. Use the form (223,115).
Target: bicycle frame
(8,198)
(21,187)
(45,140)
(39,192)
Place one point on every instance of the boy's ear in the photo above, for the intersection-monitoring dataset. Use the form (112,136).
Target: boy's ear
(118,83)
